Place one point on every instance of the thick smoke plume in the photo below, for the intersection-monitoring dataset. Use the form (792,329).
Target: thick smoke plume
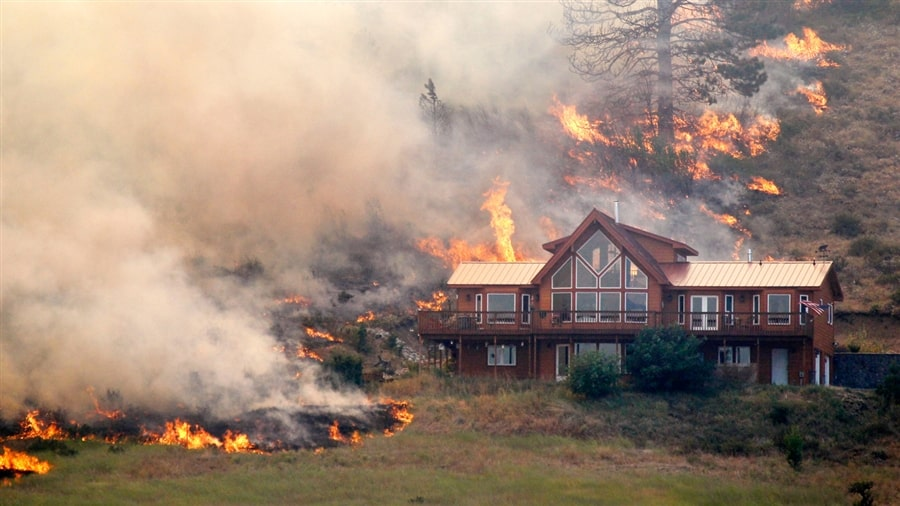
(150,149)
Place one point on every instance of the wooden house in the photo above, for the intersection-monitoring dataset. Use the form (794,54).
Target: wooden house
(769,320)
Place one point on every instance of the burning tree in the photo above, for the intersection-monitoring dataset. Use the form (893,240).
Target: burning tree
(663,52)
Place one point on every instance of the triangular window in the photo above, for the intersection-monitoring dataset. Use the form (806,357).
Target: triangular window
(598,251)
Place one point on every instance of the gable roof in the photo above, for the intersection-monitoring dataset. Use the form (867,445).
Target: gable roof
(778,274)
(494,273)
(620,234)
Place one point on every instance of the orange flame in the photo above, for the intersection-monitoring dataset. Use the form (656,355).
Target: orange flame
(334,433)
(20,463)
(318,334)
(114,414)
(763,185)
(810,48)
(801,5)
(436,303)
(400,412)
(501,219)
(369,316)
(815,95)
(578,126)
(33,427)
(181,433)
(298,300)
(304,352)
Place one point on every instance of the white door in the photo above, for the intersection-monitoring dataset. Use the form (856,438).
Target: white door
(562,361)
(826,377)
(704,312)
(779,366)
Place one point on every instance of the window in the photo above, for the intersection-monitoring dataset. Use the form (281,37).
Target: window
(636,307)
(756,310)
(612,278)
(729,310)
(502,355)
(561,305)
(584,276)
(704,312)
(734,355)
(610,306)
(830,313)
(681,309)
(634,277)
(478,299)
(779,309)
(584,348)
(562,278)
(526,308)
(501,307)
(598,251)
(586,306)
(804,311)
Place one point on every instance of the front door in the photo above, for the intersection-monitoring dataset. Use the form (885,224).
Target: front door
(562,361)
(779,366)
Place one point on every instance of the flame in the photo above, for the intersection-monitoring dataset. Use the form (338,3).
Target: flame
(725,134)
(33,427)
(763,185)
(400,412)
(334,433)
(815,95)
(810,48)
(578,126)
(114,414)
(501,219)
(549,228)
(436,303)
(801,5)
(318,334)
(608,182)
(20,463)
(304,352)
(298,300)
(182,433)
(732,222)
(369,316)
(235,442)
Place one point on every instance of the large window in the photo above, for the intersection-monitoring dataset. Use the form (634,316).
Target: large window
(562,306)
(779,309)
(610,306)
(586,306)
(734,355)
(634,277)
(502,355)
(636,307)
(562,278)
(612,278)
(704,312)
(501,307)
(598,251)
(584,276)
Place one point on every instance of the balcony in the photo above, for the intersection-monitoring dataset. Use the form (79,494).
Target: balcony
(437,323)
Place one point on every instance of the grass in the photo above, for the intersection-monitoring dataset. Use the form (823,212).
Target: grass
(501,442)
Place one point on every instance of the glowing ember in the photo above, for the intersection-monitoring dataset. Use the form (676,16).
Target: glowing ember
(815,95)
(16,463)
(33,427)
(304,352)
(501,219)
(810,48)
(438,299)
(763,185)
(318,334)
(369,316)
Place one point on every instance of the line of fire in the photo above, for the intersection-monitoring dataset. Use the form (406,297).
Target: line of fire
(770,321)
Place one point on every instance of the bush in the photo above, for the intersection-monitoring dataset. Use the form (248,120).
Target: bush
(792,444)
(889,389)
(667,359)
(846,225)
(594,374)
(345,369)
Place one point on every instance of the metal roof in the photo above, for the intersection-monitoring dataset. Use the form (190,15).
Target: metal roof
(747,274)
(494,273)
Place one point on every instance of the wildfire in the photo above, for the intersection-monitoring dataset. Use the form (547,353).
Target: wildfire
(815,95)
(578,126)
(33,427)
(113,414)
(304,352)
(724,133)
(297,300)
(318,334)
(17,463)
(809,48)
(763,185)
(501,219)
(363,318)
(809,4)
(608,182)
(181,433)
(436,303)
(732,222)
(334,433)
(400,412)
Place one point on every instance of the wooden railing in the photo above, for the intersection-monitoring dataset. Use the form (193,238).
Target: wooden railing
(612,322)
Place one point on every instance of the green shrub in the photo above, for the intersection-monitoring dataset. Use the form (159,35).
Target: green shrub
(846,225)
(667,359)
(345,369)
(594,374)
(863,246)
(792,444)
(889,389)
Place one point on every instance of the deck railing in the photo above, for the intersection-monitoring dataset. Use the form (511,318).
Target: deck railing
(588,322)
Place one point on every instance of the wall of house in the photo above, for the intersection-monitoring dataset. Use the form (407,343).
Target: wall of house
(661,251)
(473,359)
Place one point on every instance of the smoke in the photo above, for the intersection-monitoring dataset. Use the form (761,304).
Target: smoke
(148,147)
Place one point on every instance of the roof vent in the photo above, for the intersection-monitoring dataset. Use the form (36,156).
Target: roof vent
(749,255)
(616,208)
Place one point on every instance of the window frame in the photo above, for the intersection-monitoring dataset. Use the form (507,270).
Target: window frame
(783,317)
(506,352)
(502,316)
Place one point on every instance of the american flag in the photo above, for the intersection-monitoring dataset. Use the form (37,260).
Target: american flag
(812,306)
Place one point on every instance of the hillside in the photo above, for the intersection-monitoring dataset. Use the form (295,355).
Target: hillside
(840,170)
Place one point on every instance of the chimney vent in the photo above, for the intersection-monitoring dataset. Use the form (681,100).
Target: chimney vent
(616,207)
(749,255)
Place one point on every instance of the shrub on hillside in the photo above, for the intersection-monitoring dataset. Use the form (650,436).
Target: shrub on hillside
(594,374)
(846,225)
(889,389)
(668,359)
(345,369)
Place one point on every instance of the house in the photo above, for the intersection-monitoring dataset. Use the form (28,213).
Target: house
(770,320)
